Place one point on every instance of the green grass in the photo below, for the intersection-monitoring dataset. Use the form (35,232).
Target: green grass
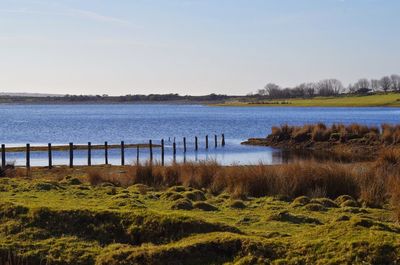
(67,221)
(377,100)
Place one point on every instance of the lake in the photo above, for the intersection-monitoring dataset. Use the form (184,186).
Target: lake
(61,124)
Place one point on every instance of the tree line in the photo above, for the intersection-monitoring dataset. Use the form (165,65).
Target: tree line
(331,87)
(172,97)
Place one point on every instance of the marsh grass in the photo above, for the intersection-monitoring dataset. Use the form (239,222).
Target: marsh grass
(365,181)
(387,134)
(374,184)
(72,222)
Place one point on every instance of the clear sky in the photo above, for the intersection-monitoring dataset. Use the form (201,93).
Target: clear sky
(192,46)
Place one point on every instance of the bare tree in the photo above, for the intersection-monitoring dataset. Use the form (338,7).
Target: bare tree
(337,86)
(395,79)
(362,83)
(351,88)
(308,89)
(262,92)
(385,83)
(375,84)
(273,90)
(330,87)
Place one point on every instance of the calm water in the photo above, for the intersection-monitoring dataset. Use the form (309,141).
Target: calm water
(60,124)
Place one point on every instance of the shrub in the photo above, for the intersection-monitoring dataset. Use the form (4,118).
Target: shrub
(95,176)
(320,134)
(395,198)
(302,134)
(8,171)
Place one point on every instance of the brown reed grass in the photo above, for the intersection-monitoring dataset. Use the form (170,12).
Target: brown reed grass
(388,134)
(375,184)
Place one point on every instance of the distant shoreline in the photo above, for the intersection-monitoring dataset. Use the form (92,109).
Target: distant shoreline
(372,100)
(376,100)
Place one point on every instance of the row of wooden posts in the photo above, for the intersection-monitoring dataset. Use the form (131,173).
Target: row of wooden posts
(122,146)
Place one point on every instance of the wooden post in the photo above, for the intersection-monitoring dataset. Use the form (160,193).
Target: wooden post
(196,145)
(206,141)
(184,144)
(151,150)
(28,156)
(3,155)
(174,151)
(122,153)
(223,140)
(50,155)
(106,153)
(162,152)
(71,155)
(137,155)
(89,154)
(216,141)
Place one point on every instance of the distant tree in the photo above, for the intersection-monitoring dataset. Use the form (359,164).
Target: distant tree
(329,87)
(362,83)
(298,91)
(262,92)
(385,83)
(395,80)
(375,84)
(309,89)
(271,87)
(351,88)
(273,90)
(337,86)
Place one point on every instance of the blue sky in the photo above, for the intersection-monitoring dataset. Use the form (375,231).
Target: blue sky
(192,46)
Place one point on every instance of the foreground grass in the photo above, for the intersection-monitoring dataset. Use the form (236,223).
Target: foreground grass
(54,218)
(378,100)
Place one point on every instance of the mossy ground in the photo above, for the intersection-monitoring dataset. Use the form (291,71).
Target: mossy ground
(48,220)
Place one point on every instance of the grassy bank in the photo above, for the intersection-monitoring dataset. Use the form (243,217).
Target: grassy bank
(377,100)
(303,213)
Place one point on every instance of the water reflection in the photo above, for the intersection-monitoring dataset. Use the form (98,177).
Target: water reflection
(231,154)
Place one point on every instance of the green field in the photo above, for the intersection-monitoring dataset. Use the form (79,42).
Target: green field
(378,100)
(49,220)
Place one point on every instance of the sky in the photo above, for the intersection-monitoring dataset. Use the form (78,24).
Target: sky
(195,47)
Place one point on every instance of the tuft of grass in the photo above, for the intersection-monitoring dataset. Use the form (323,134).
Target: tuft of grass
(95,176)
(205,206)
(237,204)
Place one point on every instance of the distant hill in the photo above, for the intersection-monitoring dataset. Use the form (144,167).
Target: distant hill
(36,95)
